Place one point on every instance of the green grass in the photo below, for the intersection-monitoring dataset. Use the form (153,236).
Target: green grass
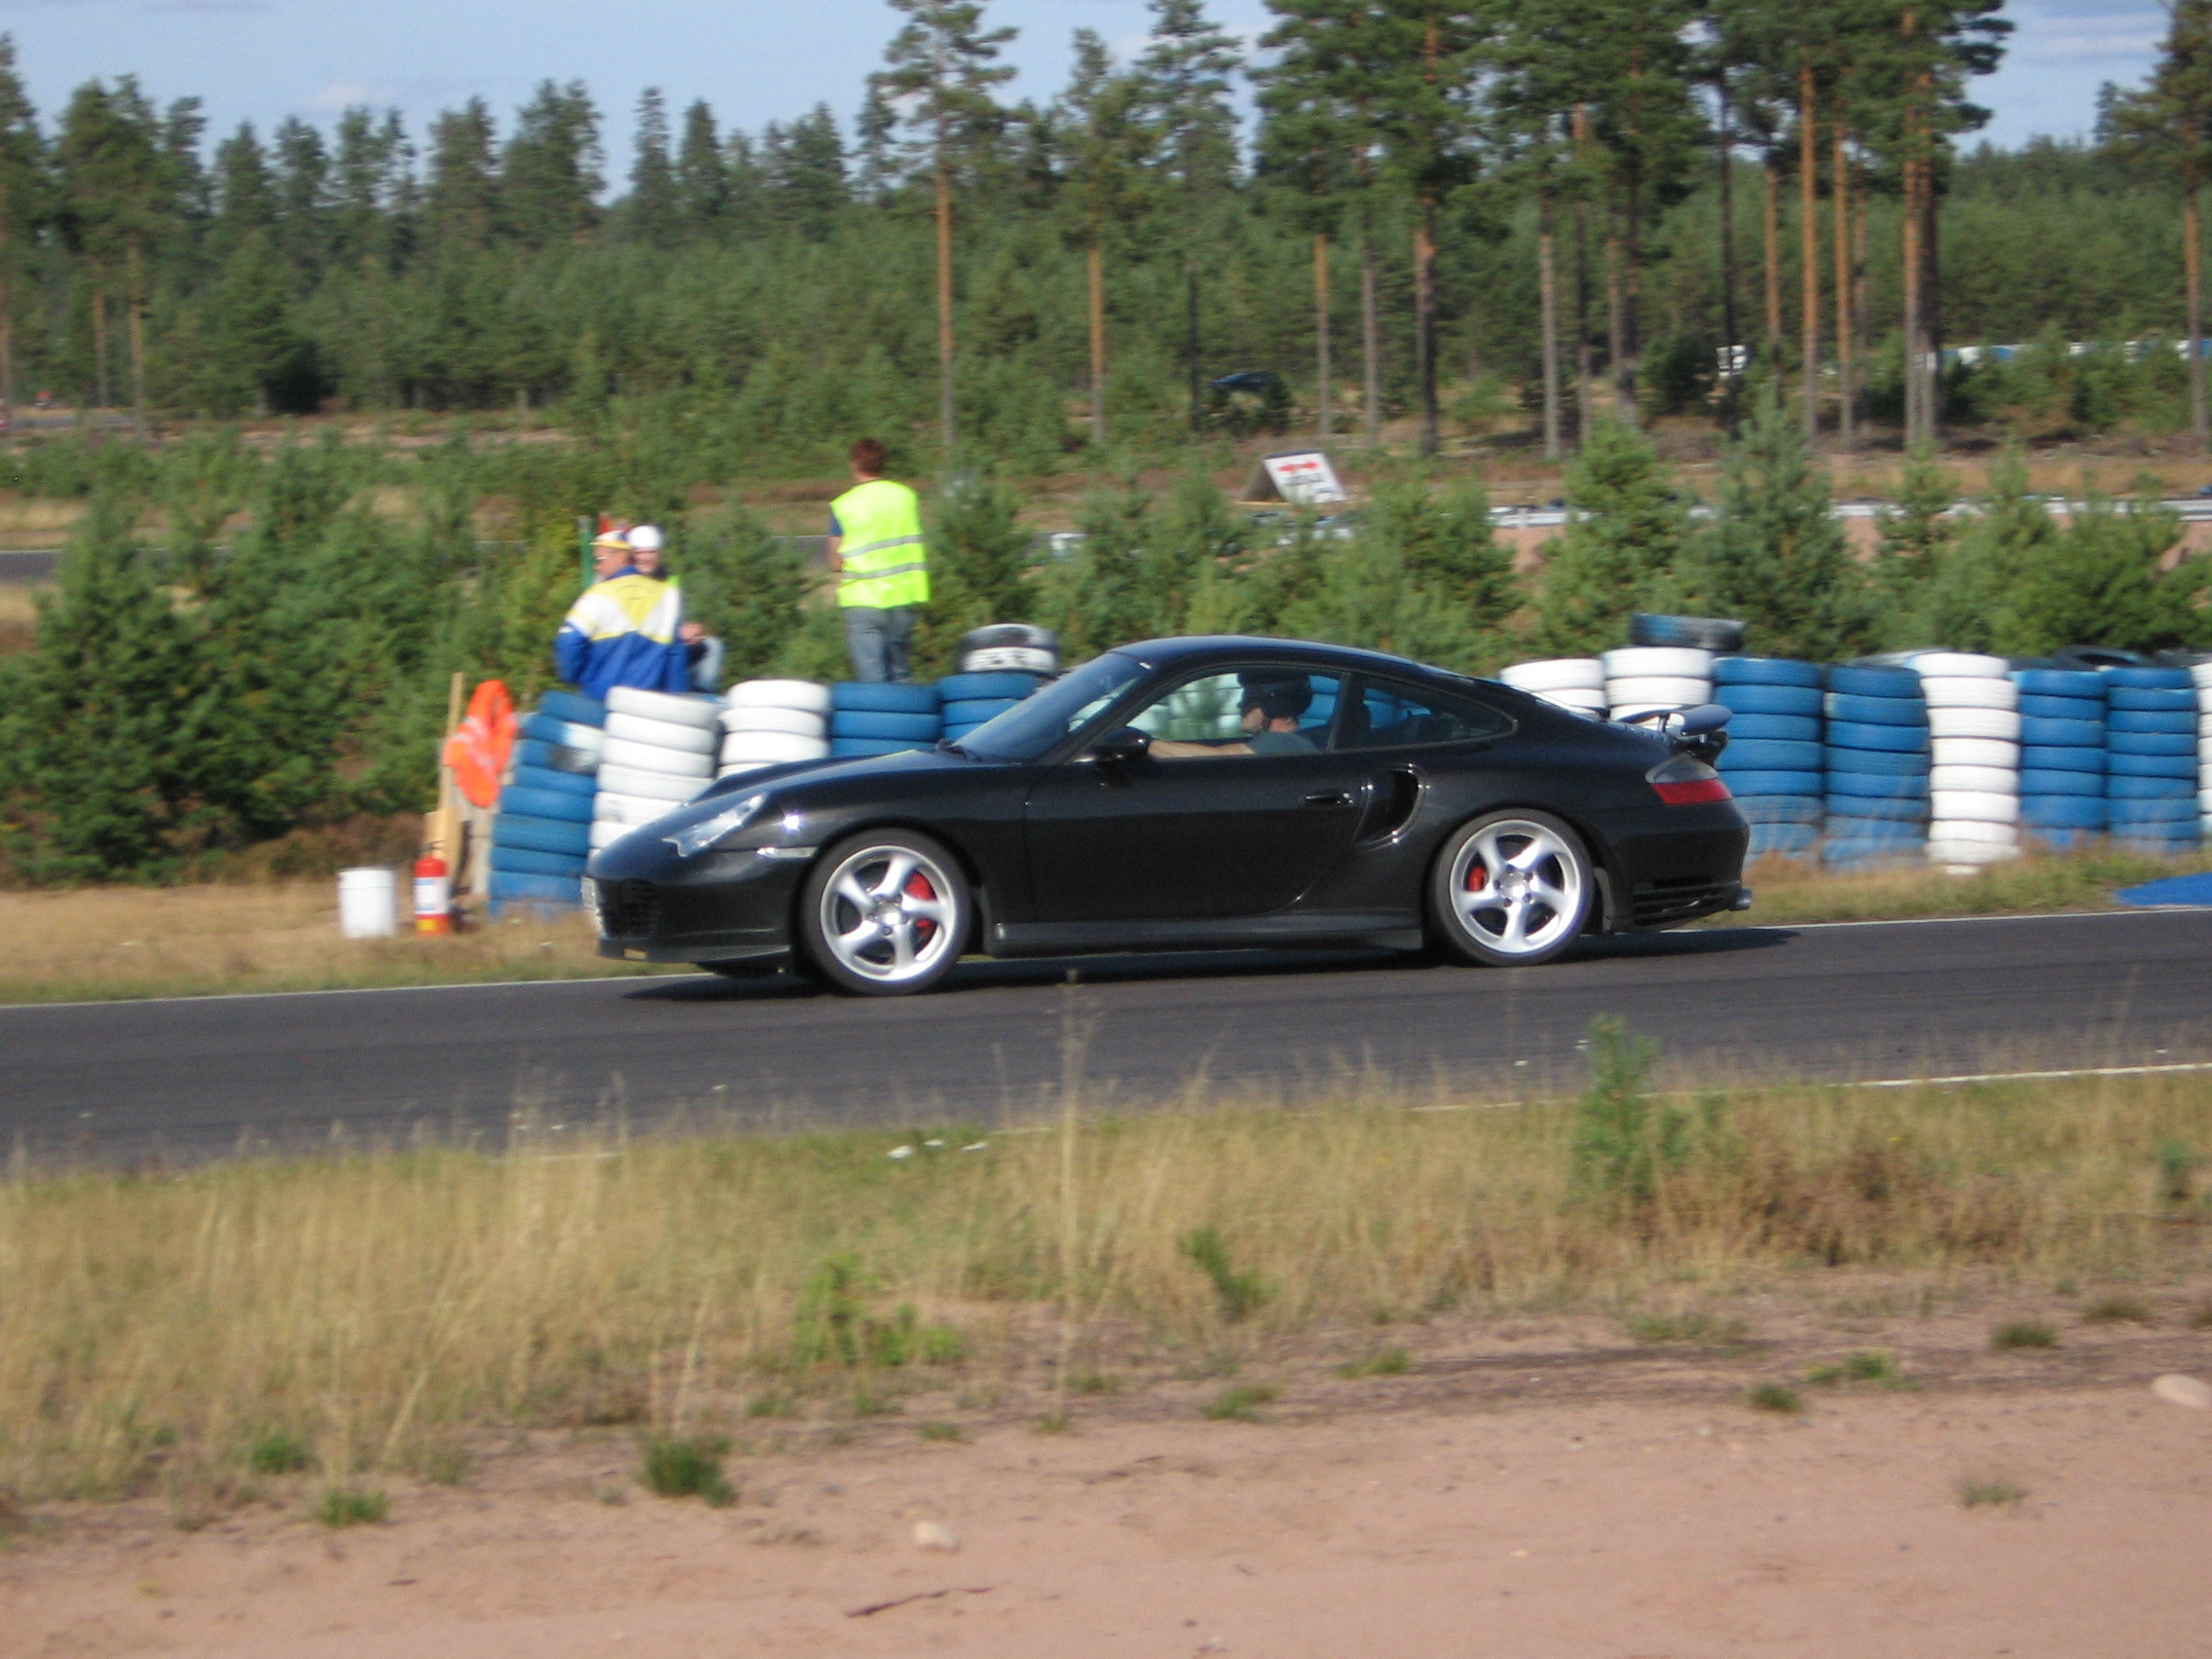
(1697,1329)
(1989,1493)
(1240,1404)
(352,1506)
(1384,1362)
(1796,890)
(279,1452)
(1773,1397)
(686,1466)
(2119,1309)
(2024,1334)
(1095,1382)
(941,1432)
(1864,1366)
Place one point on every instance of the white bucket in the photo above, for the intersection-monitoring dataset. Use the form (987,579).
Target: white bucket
(368,904)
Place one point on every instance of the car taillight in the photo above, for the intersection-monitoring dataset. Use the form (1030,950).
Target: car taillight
(1685,782)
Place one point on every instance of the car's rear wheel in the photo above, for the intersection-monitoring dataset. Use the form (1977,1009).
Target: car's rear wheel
(1511,889)
(884,913)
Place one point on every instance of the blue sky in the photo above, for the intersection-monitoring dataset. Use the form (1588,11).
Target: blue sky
(754,60)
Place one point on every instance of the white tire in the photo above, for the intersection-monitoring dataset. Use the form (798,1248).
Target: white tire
(2204,749)
(2200,675)
(1974,830)
(1998,780)
(2204,724)
(651,785)
(1974,751)
(632,810)
(738,768)
(1673,691)
(605,832)
(769,747)
(799,722)
(663,706)
(1581,702)
(652,758)
(2204,799)
(1557,673)
(1673,662)
(1978,806)
(1959,665)
(1958,692)
(804,694)
(2001,724)
(1964,858)
(587,740)
(661,734)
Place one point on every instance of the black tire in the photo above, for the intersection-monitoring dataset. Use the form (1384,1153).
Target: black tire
(906,888)
(1533,898)
(1703,632)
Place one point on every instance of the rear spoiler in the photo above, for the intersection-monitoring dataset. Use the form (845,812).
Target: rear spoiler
(1701,732)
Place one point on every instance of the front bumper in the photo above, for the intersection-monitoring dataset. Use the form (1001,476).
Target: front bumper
(721,906)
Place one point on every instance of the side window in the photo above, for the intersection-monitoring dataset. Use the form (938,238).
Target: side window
(1390,714)
(1248,710)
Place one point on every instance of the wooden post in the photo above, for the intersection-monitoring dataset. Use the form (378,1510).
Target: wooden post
(1809,247)
(442,835)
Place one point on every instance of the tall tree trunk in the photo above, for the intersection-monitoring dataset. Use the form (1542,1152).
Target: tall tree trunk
(1809,247)
(943,294)
(1547,297)
(1731,371)
(2193,267)
(1582,375)
(1097,274)
(1631,298)
(1322,368)
(99,343)
(1190,340)
(136,258)
(1770,223)
(1616,328)
(1932,297)
(1915,424)
(1370,343)
(1841,185)
(1424,319)
(1862,315)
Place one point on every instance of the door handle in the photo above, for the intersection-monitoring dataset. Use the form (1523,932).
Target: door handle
(1329,797)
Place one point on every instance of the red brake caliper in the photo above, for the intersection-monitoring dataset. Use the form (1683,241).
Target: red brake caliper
(1478,876)
(918,887)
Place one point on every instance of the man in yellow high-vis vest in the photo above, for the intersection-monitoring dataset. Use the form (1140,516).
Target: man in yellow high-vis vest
(882,569)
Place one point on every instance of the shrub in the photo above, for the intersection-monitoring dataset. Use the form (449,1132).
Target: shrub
(686,1466)
(1239,1293)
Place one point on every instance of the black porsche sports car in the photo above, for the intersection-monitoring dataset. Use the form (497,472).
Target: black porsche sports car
(1201,792)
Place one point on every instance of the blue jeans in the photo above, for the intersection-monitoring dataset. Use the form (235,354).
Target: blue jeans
(877,639)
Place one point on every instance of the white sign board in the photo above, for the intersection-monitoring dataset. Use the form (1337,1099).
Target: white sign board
(1304,477)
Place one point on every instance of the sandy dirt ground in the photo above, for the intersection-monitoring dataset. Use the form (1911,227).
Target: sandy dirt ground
(1517,1494)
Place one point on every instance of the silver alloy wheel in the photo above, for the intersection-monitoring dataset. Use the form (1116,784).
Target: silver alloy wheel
(1517,888)
(889,914)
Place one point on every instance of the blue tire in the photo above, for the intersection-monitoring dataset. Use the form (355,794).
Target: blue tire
(554,782)
(1783,728)
(882,697)
(1877,785)
(953,734)
(1877,832)
(2060,734)
(1881,762)
(2146,680)
(1893,739)
(1876,711)
(2146,720)
(857,747)
(546,804)
(2144,767)
(2140,745)
(2062,708)
(1756,781)
(546,730)
(1780,809)
(573,707)
(2041,783)
(554,757)
(528,860)
(2172,809)
(2153,702)
(2058,840)
(1765,671)
(2061,682)
(975,711)
(1875,682)
(1909,811)
(862,722)
(556,892)
(2076,758)
(1773,755)
(969,687)
(1769,699)
(2063,812)
(1786,838)
(541,835)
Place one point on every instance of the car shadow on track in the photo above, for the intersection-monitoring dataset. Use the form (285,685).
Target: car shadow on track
(981,974)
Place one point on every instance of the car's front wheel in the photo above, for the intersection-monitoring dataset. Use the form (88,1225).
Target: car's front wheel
(884,913)
(1511,889)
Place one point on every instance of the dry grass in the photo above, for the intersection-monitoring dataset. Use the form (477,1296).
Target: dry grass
(169,1328)
(1798,890)
(134,941)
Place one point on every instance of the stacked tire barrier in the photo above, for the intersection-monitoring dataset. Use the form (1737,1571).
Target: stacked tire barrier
(1641,678)
(660,753)
(2201,674)
(1875,757)
(2150,759)
(1973,789)
(2062,757)
(541,828)
(769,722)
(965,701)
(1774,762)
(882,718)
(1572,683)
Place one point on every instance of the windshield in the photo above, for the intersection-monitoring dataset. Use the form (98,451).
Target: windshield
(1033,725)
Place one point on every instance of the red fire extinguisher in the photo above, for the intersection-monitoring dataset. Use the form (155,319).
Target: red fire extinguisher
(434,896)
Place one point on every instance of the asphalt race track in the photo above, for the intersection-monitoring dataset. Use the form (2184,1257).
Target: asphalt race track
(190,1079)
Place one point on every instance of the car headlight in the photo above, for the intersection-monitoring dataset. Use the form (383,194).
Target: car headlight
(706,831)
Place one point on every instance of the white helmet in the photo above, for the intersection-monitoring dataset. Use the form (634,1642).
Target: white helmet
(645,538)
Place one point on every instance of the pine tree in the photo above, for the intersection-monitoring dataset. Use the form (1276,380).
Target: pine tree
(301,184)
(23,194)
(1914,533)
(464,179)
(549,177)
(803,175)
(1627,528)
(747,586)
(651,211)
(2097,582)
(1965,596)
(1105,146)
(702,178)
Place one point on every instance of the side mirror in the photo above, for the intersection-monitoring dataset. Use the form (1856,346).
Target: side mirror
(1121,746)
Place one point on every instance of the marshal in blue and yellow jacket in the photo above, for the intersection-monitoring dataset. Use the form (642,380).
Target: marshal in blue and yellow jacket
(622,631)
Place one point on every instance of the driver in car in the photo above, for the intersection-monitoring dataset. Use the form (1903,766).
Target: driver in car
(1268,712)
